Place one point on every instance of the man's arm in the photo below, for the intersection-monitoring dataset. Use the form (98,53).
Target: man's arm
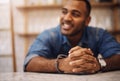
(74,63)
(69,64)
(41,64)
(113,63)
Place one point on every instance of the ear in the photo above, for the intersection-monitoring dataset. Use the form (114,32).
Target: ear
(88,20)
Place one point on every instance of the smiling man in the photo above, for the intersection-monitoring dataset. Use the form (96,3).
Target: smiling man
(73,46)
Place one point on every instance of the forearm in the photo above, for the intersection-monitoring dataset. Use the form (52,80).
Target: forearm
(113,63)
(41,64)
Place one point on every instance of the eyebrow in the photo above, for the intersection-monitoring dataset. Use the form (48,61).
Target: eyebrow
(72,10)
(63,9)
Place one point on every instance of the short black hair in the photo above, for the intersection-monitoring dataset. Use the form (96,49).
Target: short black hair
(88,6)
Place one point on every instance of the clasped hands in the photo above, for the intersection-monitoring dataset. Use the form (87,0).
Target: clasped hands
(80,60)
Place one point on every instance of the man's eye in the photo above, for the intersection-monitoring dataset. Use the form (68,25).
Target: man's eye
(75,14)
(64,12)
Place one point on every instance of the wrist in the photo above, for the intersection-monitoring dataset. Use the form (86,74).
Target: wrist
(59,63)
(102,63)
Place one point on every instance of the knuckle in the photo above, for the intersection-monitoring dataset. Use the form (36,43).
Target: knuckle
(78,46)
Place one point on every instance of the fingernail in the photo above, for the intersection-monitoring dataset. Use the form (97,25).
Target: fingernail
(69,52)
(89,49)
(74,70)
(69,55)
(70,63)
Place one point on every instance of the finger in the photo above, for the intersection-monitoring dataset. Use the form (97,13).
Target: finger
(81,71)
(90,63)
(88,58)
(79,53)
(74,49)
(78,70)
(76,55)
(85,69)
(88,51)
(77,63)
(88,66)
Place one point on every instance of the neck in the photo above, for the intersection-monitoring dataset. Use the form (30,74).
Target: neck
(74,40)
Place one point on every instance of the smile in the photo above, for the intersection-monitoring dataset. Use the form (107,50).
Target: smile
(67,26)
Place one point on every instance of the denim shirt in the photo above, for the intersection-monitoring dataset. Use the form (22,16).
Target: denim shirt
(51,42)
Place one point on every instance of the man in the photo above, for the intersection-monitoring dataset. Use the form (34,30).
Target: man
(73,47)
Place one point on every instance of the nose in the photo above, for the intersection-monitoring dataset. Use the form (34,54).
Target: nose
(68,17)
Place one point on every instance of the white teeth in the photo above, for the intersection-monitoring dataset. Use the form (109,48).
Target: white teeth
(66,26)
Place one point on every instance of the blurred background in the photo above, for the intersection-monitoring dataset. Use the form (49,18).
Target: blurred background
(22,20)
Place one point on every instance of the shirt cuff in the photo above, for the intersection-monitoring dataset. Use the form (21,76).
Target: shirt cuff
(28,58)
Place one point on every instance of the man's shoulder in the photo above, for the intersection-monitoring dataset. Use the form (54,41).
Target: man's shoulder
(95,30)
(95,33)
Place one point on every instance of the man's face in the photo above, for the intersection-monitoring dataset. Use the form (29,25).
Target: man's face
(74,17)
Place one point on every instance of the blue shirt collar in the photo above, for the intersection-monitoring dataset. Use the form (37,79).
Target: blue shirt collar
(83,42)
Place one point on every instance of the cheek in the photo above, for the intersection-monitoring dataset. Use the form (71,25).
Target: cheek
(79,21)
(61,18)
(79,25)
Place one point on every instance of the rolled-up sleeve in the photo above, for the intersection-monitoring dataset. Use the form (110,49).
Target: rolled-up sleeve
(40,47)
(108,45)
(28,58)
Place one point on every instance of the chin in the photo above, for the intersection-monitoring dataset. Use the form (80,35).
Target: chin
(66,33)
